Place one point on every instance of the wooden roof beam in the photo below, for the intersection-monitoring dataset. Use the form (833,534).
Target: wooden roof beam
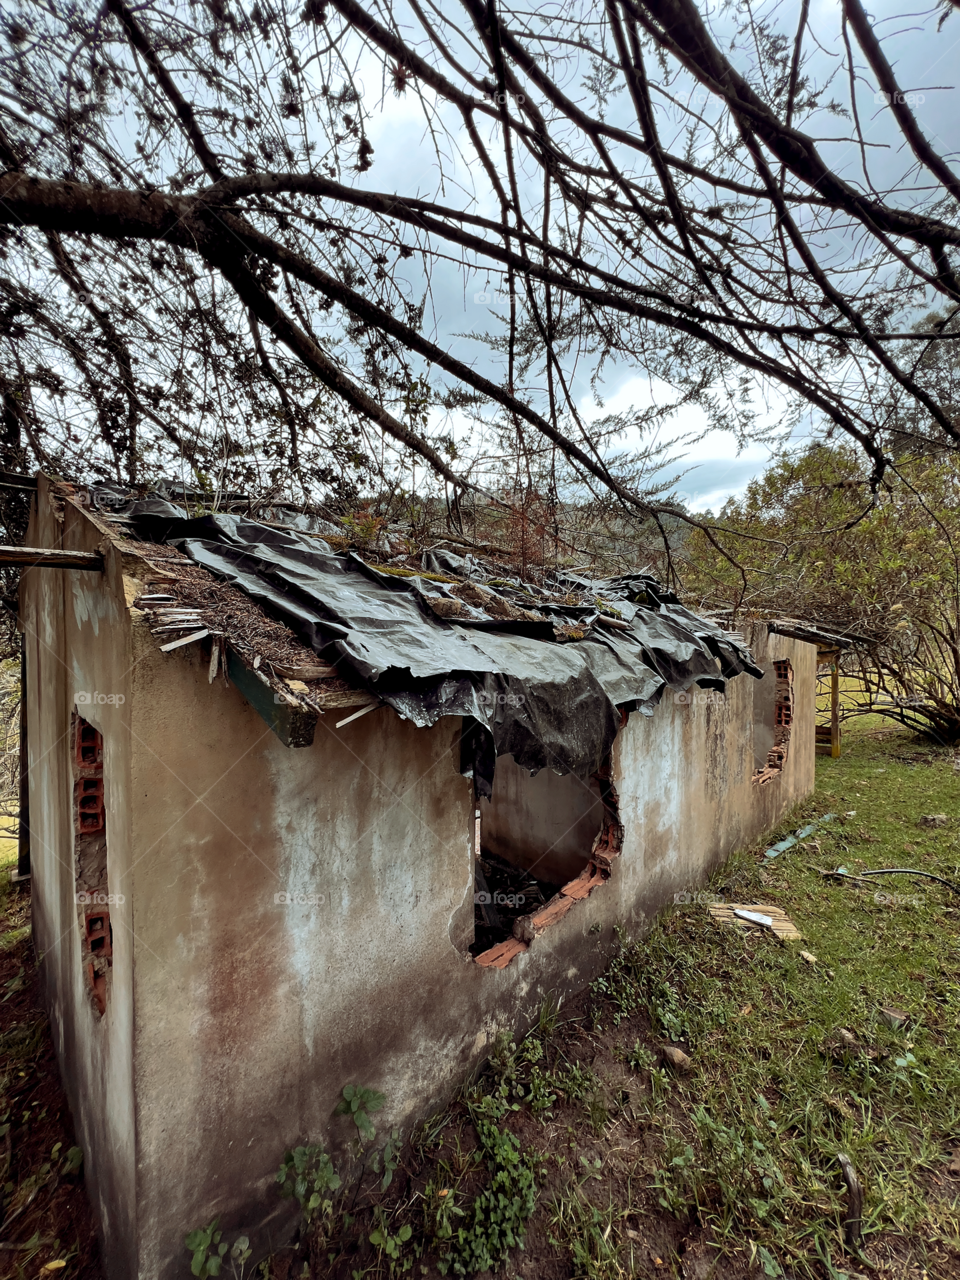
(46,558)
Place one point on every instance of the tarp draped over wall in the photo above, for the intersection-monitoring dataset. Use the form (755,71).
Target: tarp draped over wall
(548,702)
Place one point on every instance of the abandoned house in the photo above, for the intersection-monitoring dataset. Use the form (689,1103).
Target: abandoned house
(299,820)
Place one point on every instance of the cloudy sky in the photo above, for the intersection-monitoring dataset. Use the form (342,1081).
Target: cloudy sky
(924,61)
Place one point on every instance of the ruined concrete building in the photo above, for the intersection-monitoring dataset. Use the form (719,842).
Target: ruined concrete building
(300,821)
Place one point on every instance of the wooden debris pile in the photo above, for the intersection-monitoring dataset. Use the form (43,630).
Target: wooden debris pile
(756,916)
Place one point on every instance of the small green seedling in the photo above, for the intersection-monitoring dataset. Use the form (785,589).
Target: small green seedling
(204,1263)
(381,1238)
(308,1174)
(358,1103)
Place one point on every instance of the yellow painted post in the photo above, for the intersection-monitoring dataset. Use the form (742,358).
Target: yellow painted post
(835,709)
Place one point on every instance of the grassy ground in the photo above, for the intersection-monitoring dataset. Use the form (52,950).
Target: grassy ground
(730,1167)
(614,1164)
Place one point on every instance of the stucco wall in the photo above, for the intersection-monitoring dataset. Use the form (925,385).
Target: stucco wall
(253,1014)
(77,637)
(683,777)
(242,1017)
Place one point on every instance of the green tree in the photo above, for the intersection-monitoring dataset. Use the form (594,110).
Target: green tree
(882,567)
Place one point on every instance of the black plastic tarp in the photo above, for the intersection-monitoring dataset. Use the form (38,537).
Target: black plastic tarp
(548,702)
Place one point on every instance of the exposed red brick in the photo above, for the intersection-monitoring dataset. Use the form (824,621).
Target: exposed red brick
(783,722)
(88,745)
(98,933)
(588,880)
(499,957)
(607,845)
(90,856)
(90,812)
(555,909)
(529,928)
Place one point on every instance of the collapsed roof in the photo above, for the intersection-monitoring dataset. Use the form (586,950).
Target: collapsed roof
(539,671)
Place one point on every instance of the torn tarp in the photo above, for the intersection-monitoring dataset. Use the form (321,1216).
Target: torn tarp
(534,676)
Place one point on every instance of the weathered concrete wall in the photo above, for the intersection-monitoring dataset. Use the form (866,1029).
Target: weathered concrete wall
(254,1014)
(77,636)
(545,824)
(683,777)
(251,1013)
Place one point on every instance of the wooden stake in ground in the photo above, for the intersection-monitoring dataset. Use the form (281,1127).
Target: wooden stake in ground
(853,1224)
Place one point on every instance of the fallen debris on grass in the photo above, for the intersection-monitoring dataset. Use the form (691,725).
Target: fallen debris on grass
(677,1059)
(842,873)
(757,915)
(803,833)
(853,1224)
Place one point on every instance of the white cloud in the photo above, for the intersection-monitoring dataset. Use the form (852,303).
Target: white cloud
(714,468)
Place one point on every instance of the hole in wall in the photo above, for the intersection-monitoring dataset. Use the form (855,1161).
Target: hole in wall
(90,861)
(542,843)
(773,721)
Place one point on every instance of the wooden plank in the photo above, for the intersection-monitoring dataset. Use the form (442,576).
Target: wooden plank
(178,644)
(835,710)
(46,558)
(306,671)
(338,699)
(780,922)
(293,724)
(356,716)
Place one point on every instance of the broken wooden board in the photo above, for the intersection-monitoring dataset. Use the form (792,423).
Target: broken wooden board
(336,699)
(294,725)
(306,671)
(780,922)
(50,558)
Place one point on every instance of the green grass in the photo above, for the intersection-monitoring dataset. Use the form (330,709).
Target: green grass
(8,863)
(750,1137)
(793,1062)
